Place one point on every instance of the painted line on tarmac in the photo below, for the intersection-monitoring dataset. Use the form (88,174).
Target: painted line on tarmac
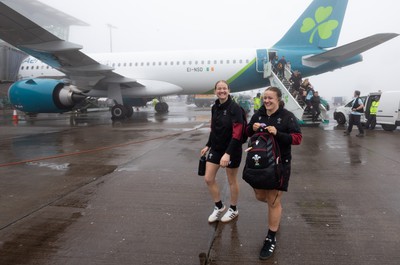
(97,149)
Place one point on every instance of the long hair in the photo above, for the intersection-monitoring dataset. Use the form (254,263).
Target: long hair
(278,93)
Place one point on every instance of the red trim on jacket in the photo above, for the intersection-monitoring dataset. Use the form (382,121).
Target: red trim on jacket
(237,131)
(296,138)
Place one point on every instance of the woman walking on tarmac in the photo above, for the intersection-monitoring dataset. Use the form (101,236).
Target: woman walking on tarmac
(225,150)
(283,125)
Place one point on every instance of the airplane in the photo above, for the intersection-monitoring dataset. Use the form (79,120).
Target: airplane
(57,76)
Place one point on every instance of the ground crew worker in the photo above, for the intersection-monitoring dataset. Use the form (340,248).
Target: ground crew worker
(372,114)
(257,102)
(154,102)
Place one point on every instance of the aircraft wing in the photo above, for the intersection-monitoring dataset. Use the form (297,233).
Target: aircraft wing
(347,51)
(62,55)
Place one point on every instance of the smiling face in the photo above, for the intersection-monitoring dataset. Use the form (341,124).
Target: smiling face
(271,101)
(222,91)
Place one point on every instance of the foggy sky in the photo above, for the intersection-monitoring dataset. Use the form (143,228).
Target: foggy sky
(221,24)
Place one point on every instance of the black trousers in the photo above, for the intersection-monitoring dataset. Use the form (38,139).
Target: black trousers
(315,112)
(371,122)
(355,120)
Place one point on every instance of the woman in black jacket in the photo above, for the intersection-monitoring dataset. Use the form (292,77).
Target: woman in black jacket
(284,126)
(225,150)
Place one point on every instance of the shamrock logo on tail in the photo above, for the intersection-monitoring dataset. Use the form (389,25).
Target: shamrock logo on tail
(325,29)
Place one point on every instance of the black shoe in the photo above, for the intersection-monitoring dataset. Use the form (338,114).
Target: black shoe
(267,249)
(346,133)
(360,135)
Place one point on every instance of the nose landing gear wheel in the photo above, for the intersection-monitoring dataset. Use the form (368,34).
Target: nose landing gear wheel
(161,107)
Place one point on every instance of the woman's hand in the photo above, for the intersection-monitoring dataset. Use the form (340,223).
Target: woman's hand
(256,126)
(224,162)
(272,130)
(204,151)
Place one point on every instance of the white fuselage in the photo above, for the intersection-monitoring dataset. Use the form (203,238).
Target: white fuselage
(193,71)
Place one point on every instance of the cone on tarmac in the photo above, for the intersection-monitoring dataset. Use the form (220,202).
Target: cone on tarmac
(15,116)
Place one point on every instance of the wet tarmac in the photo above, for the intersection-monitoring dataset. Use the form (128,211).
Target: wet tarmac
(81,189)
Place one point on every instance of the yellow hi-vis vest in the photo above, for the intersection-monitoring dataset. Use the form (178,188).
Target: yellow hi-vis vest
(374,107)
(257,103)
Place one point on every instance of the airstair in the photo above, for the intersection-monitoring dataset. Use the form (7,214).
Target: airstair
(297,107)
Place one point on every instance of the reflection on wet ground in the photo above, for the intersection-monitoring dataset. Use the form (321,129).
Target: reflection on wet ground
(82,189)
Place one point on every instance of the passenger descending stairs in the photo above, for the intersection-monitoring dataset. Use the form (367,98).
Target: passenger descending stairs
(291,104)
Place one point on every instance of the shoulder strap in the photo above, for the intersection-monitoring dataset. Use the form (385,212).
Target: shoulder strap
(230,107)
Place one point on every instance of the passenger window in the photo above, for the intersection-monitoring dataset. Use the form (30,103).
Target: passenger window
(349,104)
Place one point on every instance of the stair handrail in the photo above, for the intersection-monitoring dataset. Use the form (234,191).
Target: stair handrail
(291,103)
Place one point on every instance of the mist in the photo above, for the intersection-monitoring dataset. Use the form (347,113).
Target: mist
(157,25)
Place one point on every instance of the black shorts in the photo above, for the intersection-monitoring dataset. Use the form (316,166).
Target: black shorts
(215,158)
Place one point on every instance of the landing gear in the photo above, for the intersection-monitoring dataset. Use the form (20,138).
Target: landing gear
(129,111)
(119,111)
(161,107)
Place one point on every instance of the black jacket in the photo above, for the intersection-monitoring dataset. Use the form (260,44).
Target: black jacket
(285,122)
(226,127)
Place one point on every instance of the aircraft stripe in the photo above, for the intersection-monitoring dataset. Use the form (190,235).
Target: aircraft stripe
(238,74)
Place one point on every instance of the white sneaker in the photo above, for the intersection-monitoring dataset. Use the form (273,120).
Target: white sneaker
(216,214)
(229,215)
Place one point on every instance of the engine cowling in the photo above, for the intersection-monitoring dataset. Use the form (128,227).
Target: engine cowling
(43,96)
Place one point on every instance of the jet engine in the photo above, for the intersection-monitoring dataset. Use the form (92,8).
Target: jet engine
(43,96)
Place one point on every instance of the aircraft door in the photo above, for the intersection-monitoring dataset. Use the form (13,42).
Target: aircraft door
(262,60)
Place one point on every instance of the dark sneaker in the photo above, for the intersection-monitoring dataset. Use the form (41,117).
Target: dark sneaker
(346,133)
(267,249)
(360,135)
